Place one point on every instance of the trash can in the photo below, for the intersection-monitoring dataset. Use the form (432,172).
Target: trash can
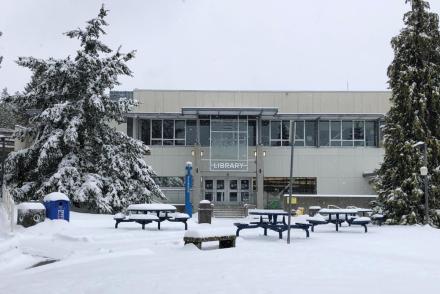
(205,212)
(314,210)
(57,206)
(30,213)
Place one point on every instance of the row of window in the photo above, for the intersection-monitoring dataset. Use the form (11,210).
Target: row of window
(273,132)
(273,185)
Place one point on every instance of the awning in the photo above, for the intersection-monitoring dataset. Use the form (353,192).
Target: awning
(254,111)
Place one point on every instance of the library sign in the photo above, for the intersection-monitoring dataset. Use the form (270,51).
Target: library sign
(228,165)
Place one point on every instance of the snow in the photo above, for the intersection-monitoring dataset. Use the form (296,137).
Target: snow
(93,257)
(30,205)
(143,217)
(55,196)
(362,219)
(155,206)
(206,233)
(205,202)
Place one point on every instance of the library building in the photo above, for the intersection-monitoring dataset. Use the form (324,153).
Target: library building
(239,143)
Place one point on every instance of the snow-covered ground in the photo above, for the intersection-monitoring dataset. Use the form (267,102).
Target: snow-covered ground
(96,258)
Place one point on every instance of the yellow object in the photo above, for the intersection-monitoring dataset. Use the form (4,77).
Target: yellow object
(300,211)
(292,200)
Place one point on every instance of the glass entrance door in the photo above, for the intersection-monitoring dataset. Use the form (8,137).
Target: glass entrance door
(227,191)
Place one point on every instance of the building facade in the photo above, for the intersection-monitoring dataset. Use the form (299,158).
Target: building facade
(238,142)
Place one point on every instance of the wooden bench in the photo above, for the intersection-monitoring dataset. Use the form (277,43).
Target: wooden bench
(224,241)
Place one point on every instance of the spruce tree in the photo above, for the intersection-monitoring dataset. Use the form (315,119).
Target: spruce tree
(75,149)
(414,116)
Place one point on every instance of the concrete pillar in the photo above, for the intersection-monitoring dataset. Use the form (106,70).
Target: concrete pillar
(196,192)
(260,176)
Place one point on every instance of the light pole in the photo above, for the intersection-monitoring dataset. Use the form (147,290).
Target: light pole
(3,139)
(424,174)
(289,205)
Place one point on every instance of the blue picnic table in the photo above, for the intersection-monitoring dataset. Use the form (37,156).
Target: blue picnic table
(271,219)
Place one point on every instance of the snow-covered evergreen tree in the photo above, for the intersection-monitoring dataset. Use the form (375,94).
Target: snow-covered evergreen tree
(75,150)
(414,78)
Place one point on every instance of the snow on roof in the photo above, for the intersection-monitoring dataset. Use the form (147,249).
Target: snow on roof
(154,206)
(30,205)
(55,196)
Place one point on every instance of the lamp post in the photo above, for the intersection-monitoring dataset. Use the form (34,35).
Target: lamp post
(289,205)
(424,174)
(3,139)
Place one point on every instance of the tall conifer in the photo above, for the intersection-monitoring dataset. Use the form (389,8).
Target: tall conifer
(414,79)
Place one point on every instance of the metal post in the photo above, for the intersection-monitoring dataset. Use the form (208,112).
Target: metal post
(289,205)
(3,138)
(426,186)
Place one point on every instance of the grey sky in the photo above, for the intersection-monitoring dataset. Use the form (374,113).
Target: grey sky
(222,44)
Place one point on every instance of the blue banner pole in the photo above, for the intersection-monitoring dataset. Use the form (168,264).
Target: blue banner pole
(188,186)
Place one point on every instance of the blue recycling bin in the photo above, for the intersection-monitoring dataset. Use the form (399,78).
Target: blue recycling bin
(57,206)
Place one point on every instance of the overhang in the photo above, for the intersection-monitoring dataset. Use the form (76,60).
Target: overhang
(252,111)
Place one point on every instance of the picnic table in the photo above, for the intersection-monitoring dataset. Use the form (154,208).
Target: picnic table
(272,219)
(155,212)
(340,215)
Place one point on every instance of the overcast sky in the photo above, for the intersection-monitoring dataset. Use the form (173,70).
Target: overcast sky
(218,44)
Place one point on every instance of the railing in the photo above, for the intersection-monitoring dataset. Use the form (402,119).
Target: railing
(8,206)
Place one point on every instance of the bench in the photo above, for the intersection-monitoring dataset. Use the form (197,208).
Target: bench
(378,218)
(227,241)
(142,219)
(360,221)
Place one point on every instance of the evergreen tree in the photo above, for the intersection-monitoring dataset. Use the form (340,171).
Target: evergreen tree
(75,149)
(414,78)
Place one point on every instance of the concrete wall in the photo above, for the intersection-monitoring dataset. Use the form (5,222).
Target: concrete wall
(288,102)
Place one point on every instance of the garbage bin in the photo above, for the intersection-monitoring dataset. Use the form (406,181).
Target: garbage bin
(205,212)
(57,206)
(30,213)
(313,210)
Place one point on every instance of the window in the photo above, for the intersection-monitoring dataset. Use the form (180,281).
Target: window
(347,133)
(265,131)
(358,133)
(310,131)
(156,132)
(145,131)
(275,133)
(170,182)
(370,133)
(252,132)
(335,133)
(205,133)
(191,132)
(280,185)
(324,133)
(299,133)
(179,132)
(130,127)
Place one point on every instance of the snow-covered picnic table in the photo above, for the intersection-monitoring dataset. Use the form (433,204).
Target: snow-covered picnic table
(340,215)
(154,212)
(269,219)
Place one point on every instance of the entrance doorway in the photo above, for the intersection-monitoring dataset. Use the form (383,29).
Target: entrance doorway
(227,191)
